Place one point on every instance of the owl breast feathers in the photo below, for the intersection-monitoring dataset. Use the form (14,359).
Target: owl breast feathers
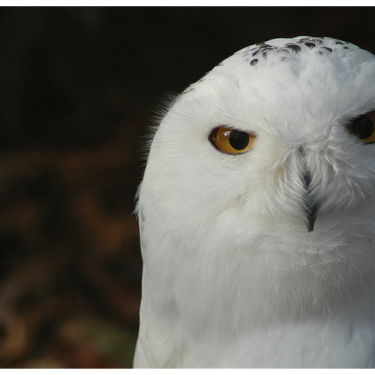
(257,213)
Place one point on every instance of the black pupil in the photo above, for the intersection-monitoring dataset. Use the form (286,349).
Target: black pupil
(238,140)
(362,127)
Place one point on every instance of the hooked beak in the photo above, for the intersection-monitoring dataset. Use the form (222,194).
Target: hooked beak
(311,205)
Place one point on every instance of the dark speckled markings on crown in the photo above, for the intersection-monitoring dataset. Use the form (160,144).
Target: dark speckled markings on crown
(254,54)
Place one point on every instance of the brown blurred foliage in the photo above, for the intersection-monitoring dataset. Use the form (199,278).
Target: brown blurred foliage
(71,267)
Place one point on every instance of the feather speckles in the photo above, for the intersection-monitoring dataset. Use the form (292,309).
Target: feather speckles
(310,44)
(327,49)
(294,47)
(321,46)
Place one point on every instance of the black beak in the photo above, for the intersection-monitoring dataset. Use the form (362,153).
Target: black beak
(311,206)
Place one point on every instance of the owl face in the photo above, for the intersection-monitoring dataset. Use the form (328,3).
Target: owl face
(278,137)
(260,179)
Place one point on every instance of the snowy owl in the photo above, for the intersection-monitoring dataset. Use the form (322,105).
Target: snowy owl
(257,213)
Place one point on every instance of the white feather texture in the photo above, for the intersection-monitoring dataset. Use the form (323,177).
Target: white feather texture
(232,277)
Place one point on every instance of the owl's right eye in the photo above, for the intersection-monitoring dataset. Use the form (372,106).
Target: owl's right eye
(363,128)
(231,141)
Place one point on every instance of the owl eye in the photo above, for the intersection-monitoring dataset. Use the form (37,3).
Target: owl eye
(231,141)
(363,128)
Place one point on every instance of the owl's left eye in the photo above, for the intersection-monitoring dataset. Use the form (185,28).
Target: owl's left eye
(363,128)
(231,141)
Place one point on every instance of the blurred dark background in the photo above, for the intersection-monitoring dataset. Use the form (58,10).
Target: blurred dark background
(78,89)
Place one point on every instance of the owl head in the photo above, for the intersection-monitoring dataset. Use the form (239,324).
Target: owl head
(271,154)
(279,135)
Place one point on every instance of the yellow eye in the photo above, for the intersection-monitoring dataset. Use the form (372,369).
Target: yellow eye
(363,128)
(231,141)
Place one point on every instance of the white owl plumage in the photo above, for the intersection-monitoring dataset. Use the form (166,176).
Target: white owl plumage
(264,256)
